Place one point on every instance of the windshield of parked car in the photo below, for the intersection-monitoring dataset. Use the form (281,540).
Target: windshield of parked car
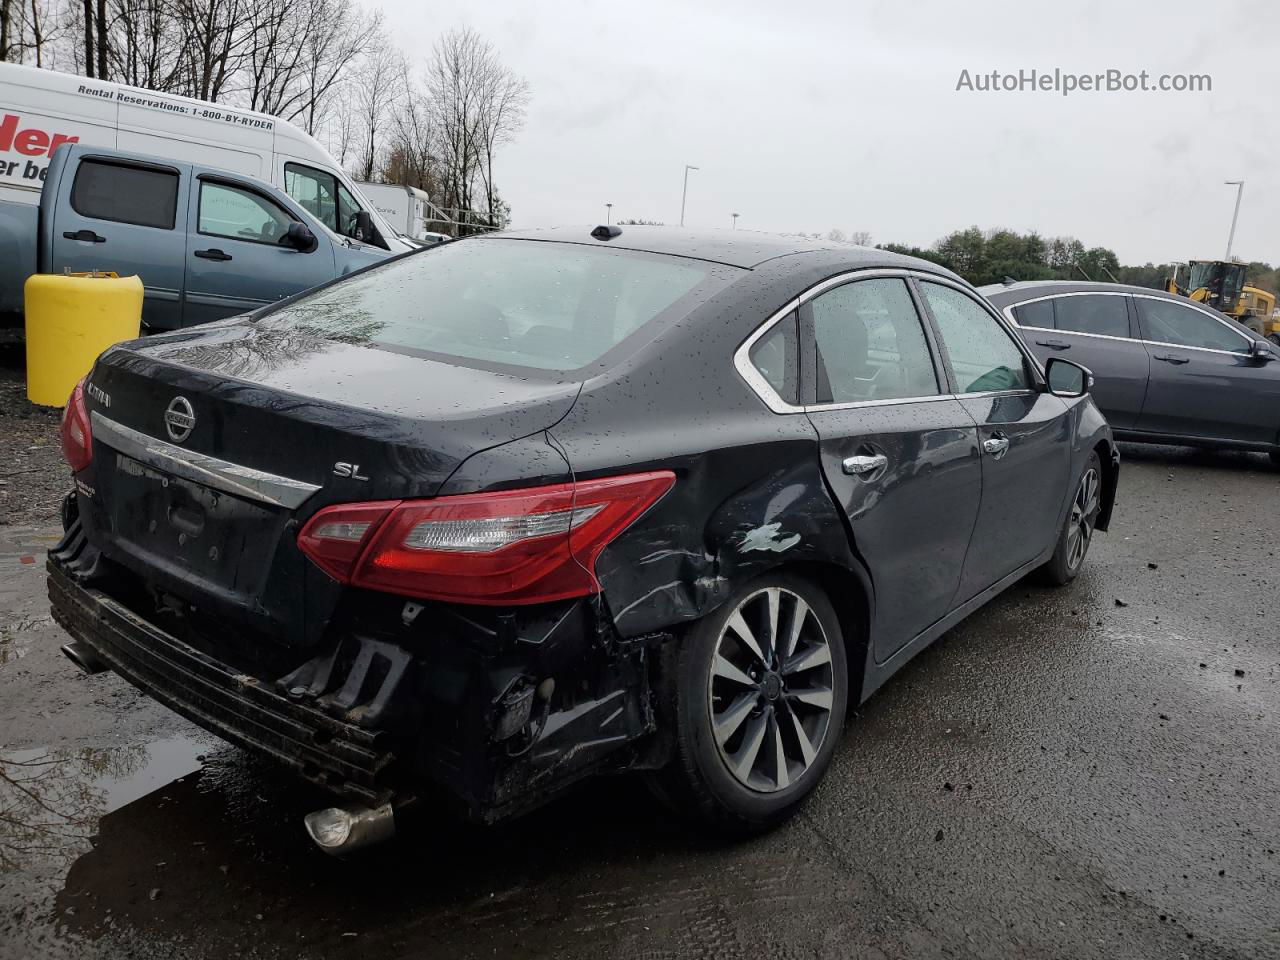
(549,306)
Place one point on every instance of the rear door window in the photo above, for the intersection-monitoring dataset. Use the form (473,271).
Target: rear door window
(1038,314)
(1104,315)
(983,354)
(870,344)
(123,193)
(1165,321)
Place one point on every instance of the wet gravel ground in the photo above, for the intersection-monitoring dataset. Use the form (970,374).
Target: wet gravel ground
(33,477)
(1086,772)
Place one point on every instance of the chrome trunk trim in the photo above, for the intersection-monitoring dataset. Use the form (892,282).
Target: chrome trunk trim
(201,468)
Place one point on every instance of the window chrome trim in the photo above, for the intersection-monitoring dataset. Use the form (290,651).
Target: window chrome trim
(1080,333)
(201,468)
(857,404)
(1179,346)
(1008,313)
(761,387)
(1190,304)
(978,394)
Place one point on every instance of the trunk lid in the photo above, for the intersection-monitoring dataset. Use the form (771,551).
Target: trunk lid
(211,447)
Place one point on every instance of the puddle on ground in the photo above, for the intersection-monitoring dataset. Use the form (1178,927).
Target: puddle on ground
(51,801)
(15,634)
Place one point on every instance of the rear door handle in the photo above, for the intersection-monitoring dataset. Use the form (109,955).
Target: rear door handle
(997,445)
(1054,344)
(88,236)
(214,254)
(1171,358)
(862,465)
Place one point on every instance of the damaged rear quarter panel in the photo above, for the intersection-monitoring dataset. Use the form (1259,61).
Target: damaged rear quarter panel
(734,513)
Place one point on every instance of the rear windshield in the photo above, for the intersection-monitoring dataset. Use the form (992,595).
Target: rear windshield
(549,306)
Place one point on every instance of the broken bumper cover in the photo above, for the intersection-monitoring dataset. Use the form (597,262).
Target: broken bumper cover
(341,757)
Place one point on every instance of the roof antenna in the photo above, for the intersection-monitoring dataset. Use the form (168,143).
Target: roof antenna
(1008,281)
(1110,274)
(604,232)
(1082,273)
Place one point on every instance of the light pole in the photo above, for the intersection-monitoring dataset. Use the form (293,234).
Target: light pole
(735,221)
(685,195)
(1235,215)
(608,214)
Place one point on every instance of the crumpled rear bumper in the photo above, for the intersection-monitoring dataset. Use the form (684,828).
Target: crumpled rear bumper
(501,716)
(341,757)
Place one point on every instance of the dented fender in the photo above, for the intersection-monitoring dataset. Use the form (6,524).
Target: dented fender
(664,571)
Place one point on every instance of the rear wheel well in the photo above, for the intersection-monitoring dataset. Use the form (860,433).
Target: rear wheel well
(849,598)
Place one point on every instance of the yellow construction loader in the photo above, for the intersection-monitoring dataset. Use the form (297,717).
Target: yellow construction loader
(1221,284)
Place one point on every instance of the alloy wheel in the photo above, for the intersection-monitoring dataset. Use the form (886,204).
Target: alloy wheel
(770,690)
(1084,514)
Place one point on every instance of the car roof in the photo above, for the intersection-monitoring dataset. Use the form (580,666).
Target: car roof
(736,248)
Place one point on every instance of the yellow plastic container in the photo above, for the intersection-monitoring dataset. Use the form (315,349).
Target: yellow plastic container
(71,318)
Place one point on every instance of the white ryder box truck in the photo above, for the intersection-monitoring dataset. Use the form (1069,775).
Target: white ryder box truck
(41,109)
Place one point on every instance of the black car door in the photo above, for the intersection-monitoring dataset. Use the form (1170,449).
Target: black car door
(1099,331)
(1204,383)
(898,452)
(1024,433)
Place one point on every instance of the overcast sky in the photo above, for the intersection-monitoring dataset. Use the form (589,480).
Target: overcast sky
(808,116)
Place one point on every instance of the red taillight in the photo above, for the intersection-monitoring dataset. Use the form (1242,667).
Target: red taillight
(516,546)
(77,438)
(334,537)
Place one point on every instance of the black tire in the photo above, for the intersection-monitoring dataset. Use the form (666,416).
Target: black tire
(699,780)
(1086,501)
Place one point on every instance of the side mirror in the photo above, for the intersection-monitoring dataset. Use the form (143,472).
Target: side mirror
(1260,351)
(300,237)
(364,231)
(1067,379)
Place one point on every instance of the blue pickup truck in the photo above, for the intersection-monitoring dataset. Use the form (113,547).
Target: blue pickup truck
(207,243)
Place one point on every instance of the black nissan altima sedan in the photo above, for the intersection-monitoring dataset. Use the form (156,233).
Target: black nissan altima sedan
(498,515)
(1168,370)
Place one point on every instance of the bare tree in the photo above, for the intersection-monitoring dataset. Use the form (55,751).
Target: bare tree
(215,37)
(101,27)
(144,49)
(451,85)
(861,237)
(504,97)
(343,128)
(479,104)
(7,10)
(324,64)
(411,156)
(88,38)
(27,28)
(376,97)
(299,50)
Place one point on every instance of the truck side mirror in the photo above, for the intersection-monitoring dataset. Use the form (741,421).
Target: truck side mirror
(300,237)
(364,231)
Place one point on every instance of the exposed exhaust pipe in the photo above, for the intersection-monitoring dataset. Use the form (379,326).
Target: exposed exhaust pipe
(83,657)
(340,831)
